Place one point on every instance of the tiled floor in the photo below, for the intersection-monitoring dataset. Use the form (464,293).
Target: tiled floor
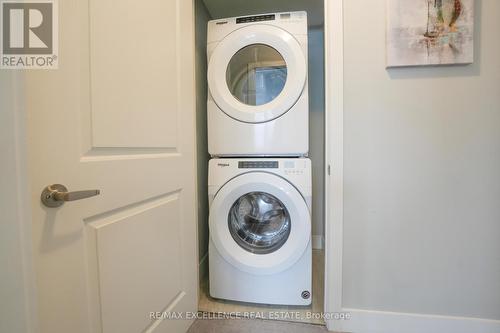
(308,314)
(253,326)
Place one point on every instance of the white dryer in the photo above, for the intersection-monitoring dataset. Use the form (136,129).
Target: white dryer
(258,91)
(260,230)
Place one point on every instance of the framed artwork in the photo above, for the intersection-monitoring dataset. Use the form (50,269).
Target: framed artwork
(430,32)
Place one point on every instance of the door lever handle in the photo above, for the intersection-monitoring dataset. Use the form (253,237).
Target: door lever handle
(55,195)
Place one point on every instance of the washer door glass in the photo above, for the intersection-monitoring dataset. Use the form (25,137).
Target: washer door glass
(256,74)
(259,222)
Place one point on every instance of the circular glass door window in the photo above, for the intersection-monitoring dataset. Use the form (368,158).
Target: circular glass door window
(256,74)
(259,222)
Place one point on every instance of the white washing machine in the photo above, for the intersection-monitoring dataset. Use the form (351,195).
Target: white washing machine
(260,230)
(258,90)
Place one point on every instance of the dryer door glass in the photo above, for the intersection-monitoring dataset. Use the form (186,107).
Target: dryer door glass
(256,74)
(259,222)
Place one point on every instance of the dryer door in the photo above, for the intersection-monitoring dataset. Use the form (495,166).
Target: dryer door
(260,223)
(257,73)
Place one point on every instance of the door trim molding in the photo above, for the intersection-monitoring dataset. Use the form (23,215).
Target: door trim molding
(334,114)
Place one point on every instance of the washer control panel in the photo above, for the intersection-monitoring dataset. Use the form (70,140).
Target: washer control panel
(290,167)
(293,167)
(258,165)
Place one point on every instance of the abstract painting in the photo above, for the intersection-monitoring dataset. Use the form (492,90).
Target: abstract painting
(430,32)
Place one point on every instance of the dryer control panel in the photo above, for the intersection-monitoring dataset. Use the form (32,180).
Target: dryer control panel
(294,23)
(257,18)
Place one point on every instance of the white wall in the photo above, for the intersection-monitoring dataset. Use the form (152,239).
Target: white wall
(202,17)
(16,277)
(421,176)
(317,130)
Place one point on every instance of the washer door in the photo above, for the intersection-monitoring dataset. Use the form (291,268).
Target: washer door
(260,223)
(257,73)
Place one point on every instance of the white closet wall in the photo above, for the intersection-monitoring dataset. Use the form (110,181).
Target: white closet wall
(202,17)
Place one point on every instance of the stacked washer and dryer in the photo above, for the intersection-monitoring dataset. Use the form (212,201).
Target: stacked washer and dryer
(259,175)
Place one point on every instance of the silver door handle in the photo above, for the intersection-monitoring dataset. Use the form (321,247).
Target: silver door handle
(55,195)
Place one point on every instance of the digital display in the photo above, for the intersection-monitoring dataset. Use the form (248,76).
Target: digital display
(258,18)
(258,165)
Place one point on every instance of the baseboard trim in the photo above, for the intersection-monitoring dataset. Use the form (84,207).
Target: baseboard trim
(318,242)
(203,268)
(365,321)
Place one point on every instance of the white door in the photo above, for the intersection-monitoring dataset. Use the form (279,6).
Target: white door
(117,116)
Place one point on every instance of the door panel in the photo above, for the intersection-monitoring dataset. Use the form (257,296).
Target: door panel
(142,38)
(117,116)
(127,246)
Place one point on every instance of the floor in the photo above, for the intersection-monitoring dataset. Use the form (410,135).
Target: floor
(253,326)
(310,314)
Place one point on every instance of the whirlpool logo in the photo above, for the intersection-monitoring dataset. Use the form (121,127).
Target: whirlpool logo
(29,38)
(223,164)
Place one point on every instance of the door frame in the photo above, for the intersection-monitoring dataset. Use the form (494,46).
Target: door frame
(334,158)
